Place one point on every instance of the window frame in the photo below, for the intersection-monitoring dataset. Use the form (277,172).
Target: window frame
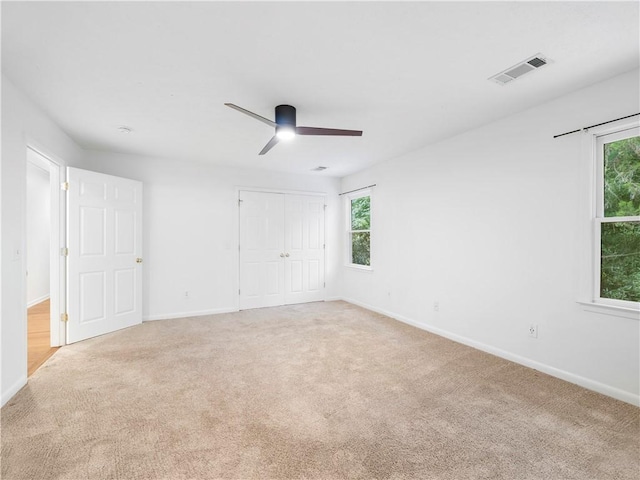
(349,232)
(599,140)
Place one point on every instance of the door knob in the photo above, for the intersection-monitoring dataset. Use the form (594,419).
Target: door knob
(287,255)
(138,260)
(282,255)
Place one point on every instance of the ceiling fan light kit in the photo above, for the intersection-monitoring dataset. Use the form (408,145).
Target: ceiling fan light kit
(286,128)
(285,122)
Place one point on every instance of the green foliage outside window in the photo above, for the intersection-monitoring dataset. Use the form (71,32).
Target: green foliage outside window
(361,240)
(620,241)
(360,213)
(361,248)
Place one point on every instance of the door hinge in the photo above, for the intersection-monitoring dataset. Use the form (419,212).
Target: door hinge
(324,207)
(324,246)
(64,317)
(64,186)
(64,252)
(239,202)
(238,291)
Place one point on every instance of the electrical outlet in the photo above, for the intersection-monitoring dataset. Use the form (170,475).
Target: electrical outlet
(186,294)
(533,330)
(436,306)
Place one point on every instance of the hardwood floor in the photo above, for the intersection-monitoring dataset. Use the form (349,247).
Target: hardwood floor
(38,336)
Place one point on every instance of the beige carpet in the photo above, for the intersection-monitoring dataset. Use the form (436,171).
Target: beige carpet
(323,390)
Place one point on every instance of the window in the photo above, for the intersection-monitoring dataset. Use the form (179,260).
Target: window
(359,229)
(617,222)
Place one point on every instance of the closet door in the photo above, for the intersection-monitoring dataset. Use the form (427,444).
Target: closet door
(281,249)
(304,248)
(261,249)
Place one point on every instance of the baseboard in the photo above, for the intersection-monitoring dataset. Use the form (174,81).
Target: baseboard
(37,301)
(198,313)
(584,382)
(11,391)
(333,299)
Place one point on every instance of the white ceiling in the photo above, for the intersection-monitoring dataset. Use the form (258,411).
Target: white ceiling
(407,74)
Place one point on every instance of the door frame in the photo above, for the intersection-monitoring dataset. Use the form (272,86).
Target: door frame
(236,227)
(57,262)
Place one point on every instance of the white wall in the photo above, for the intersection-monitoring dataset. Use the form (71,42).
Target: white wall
(22,123)
(489,224)
(190,226)
(38,233)
(191,229)
(493,225)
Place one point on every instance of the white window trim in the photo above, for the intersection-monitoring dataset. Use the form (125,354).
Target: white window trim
(613,310)
(348,199)
(596,140)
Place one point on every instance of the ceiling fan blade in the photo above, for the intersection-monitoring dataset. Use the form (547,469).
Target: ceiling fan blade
(251,114)
(269,145)
(328,131)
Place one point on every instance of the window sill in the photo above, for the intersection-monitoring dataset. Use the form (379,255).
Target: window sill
(362,268)
(614,310)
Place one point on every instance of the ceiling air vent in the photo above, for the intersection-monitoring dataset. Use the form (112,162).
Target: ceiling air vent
(318,169)
(520,69)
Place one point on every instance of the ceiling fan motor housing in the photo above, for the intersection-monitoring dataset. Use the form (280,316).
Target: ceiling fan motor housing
(286,117)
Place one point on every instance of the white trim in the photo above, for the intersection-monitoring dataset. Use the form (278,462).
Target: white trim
(612,127)
(597,139)
(59,338)
(12,390)
(38,300)
(355,266)
(364,192)
(635,218)
(195,313)
(622,304)
(57,263)
(612,309)
(348,199)
(584,382)
(334,299)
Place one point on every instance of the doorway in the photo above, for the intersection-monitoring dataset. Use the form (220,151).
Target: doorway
(43,260)
(101,290)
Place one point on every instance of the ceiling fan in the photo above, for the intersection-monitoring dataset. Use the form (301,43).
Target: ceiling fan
(286,128)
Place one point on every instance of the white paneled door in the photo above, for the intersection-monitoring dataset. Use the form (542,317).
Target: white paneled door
(281,249)
(261,249)
(304,248)
(104,263)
